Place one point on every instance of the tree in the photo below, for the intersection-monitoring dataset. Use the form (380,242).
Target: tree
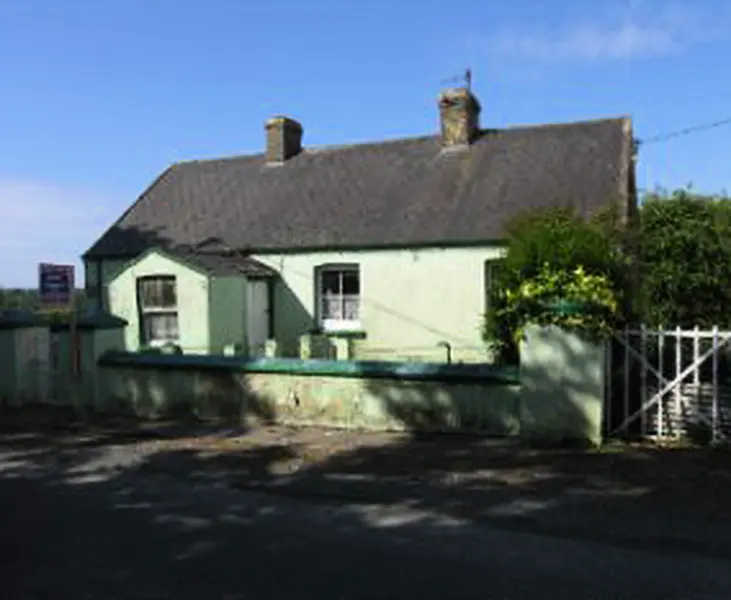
(29,299)
(684,257)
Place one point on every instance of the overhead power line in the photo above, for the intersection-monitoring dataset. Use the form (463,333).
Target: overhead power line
(682,132)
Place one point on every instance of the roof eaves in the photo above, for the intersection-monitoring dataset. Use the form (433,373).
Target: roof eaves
(407,245)
(90,252)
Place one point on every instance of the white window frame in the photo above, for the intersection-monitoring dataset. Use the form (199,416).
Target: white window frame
(159,310)
(335,325)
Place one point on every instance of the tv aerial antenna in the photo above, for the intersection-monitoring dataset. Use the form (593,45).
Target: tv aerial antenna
(465,78)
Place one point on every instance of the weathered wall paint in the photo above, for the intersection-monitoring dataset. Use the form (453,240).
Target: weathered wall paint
(93,343)
(227,313)
(24,370)
(411,300)
(8,367)
(563,380)
(380,404)
(192,291)
(560,395)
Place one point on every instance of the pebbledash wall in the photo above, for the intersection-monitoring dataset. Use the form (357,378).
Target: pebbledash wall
(412,300)
(211,309)
(558,393)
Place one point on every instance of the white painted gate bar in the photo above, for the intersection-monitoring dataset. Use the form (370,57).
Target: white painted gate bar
(664,383)
(661,357)
(658,395)
(643,349)
(678,359)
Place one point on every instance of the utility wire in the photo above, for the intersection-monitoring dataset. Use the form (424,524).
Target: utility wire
(681,132)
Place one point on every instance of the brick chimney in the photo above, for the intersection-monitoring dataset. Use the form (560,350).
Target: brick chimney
(459,113)
(284,139)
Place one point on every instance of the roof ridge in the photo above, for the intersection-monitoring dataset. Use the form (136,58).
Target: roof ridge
(310,149)
(132,206)
(218,159)
(556,124)
(346,146)
(400,140)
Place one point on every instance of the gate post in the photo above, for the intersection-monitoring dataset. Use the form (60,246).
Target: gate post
(97,332)
(100,332)
(563,391)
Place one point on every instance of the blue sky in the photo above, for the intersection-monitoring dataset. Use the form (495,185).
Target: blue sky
(98,97)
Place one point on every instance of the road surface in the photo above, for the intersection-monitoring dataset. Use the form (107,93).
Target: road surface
(153,537)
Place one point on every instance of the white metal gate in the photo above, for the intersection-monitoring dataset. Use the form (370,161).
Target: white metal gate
(673,383)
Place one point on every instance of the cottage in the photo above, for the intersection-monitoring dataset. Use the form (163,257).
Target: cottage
(388,244)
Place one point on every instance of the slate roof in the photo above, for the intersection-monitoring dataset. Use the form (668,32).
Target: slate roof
(222,263)
(401,192)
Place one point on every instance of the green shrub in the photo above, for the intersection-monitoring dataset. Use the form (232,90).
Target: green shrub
(553,256)
(673,269)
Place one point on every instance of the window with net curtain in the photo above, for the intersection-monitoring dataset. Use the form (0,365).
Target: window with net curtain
(338,297)
(157,301)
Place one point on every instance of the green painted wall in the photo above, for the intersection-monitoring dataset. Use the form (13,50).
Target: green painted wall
(60,365)
(218,302)
(92,344)
(563,378)
(193,296)
(411,300)
(227,312)
(8,367)
(110,268)
(24,368)
(380,404)
(559,396)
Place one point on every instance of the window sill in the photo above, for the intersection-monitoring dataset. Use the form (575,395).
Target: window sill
(353,332)
(160,343)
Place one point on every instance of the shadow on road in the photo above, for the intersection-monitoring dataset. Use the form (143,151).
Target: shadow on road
(674,500)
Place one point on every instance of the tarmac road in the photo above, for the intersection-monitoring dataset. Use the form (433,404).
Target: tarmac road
(157,538)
